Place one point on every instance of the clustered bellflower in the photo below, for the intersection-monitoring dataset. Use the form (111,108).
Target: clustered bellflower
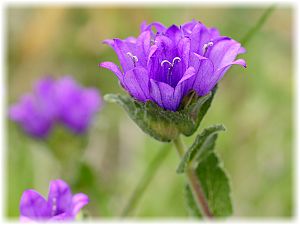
(164,66)
(63,101)
(60,205)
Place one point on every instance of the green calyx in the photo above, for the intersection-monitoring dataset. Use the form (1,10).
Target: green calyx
(165,125)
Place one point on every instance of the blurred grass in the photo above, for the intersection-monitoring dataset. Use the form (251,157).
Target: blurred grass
(255,105)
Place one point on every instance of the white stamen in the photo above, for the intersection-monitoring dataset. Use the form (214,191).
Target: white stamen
(171,65)
(206,46)
(175,59)
(54,206)
(133,57)
(166,61)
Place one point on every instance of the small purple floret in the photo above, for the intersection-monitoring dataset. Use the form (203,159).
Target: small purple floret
(63,101)
(60,205)
(164,66)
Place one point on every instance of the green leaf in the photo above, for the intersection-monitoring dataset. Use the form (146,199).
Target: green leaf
(215,185)
(190,202)
(161,124)
(203,145)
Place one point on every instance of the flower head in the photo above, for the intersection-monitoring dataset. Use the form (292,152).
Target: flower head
(52,101)
(60,205)
(164,66)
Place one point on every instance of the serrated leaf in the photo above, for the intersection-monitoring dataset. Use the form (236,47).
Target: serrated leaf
(215,185)
(203,145)
(161,124)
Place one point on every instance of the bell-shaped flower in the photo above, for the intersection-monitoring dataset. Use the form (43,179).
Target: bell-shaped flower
(61,204)
(164,66)
(56,101)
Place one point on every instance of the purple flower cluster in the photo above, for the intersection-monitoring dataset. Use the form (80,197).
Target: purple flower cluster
(164,66)
(61,205)
(62,101)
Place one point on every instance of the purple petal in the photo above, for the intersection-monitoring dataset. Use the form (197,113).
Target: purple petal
(188,27)
(174,33)
(34,206)
(223,52)
(183,85)
(136,82)
(200,36)
(155,93)
(157,25)
(152,51)
(122,49)
(44,93)
(44,86)
(184,48)
(60,197)
(109,42)
(242,50)
(220,72)
(131,40)
(190,72)
(112,67)
(214,33)
(79,200)
(204,75)
(241,62)
(163,42)
(163,95)
(143,47)
(79,116)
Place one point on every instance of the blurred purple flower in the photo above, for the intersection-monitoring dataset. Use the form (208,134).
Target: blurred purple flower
(61,205)
(164,66)
(76,105)
(56,101)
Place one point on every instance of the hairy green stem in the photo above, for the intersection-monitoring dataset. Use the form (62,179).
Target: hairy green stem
(145,180)
(194,184)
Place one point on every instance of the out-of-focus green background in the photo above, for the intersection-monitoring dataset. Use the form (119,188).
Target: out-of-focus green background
(255,105)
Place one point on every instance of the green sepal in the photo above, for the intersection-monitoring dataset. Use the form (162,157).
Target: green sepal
(196,111)
(148,116)
(161,124)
